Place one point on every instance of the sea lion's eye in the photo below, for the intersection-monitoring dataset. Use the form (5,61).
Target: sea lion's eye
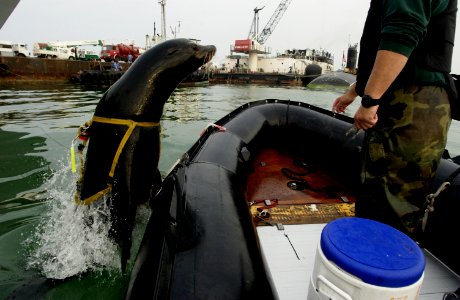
(172,52)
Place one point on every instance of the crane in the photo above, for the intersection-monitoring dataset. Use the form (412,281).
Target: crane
(254,30)
(253,44)
(268,29)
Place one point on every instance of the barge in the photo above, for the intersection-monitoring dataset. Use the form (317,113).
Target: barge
(13,69)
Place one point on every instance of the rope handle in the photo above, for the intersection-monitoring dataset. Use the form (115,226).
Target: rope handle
(430,198)
(212,125)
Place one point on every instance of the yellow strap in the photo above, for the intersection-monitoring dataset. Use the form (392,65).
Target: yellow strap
(94,197)
(124,122)
(72,159)
(120,148)
(131,125)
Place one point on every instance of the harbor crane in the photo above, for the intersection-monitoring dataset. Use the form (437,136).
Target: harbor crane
(253,44)
(268,29)
(254,30)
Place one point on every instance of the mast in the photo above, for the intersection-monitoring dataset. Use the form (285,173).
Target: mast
(163,19)
(254,31)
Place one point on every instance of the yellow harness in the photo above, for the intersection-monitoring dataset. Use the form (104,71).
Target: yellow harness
(131,125)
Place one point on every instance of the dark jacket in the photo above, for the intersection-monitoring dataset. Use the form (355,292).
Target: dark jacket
(424,33)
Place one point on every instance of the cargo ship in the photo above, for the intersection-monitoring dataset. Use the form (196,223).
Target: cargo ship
(251,62)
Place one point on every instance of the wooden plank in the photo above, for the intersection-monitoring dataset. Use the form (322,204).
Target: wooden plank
(305,214)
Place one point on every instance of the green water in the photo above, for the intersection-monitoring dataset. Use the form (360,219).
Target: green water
(41,234)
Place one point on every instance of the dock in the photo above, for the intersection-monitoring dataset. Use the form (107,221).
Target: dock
(33,69)
(260,78)
(19,69)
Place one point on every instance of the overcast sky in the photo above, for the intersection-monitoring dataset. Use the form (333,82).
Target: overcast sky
(328,24)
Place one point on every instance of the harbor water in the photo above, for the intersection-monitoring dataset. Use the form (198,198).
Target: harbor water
(41,233)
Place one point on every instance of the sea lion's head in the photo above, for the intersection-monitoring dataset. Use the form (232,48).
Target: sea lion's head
(142,91)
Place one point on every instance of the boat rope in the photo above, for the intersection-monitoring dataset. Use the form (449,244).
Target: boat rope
(285,234)
(428,206)
(213,125)
(83,136)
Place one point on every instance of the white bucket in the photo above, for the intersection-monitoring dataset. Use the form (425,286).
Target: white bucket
(363,260)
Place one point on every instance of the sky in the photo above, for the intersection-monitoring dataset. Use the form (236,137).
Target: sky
(331,25)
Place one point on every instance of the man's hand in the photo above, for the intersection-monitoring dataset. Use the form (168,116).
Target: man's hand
(341,103)
(366,118)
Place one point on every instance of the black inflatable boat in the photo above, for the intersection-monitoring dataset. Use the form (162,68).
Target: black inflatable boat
(270,163)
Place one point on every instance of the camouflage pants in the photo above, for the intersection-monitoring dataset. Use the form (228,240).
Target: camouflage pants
(401,154)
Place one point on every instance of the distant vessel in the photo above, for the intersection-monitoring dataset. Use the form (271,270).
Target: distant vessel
(296,66)
(291,61)
(250,61)
(342,78)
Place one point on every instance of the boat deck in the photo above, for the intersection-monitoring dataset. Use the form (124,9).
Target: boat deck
(320,198)
(290,248)
(290,255)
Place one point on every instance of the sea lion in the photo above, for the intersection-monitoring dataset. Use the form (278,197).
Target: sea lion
(124,134)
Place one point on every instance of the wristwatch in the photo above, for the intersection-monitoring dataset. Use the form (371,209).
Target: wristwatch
(367,101)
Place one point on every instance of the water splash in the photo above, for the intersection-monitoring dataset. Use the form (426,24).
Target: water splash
(63,244)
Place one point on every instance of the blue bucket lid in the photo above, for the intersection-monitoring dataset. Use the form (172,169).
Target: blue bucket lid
(376,253)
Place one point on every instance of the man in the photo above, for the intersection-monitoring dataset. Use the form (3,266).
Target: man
(116,65)
(405,57)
